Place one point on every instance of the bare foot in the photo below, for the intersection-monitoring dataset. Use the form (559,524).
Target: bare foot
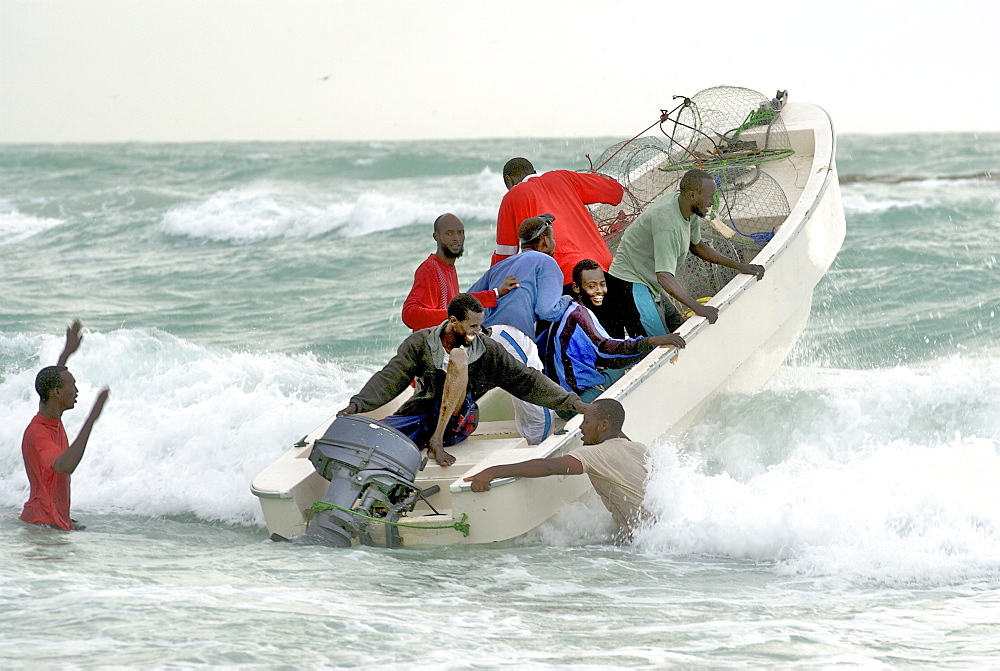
(440,456)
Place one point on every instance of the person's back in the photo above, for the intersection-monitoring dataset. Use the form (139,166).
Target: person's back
(565,194)
(539,293)
(617,470)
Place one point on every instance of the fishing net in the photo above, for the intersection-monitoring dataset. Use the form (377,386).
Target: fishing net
(725,130)
(727,126)
(750,202)
(635,165)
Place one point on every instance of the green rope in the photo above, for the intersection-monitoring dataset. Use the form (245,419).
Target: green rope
(723,162)
(461,525)
(755,117)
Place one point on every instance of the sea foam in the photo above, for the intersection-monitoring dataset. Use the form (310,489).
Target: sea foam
(879,476)
(270,211)
(16,226)
(186,428)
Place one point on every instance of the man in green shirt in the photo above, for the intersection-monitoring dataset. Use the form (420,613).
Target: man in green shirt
(650,251)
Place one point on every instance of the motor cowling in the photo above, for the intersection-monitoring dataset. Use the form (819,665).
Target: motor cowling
(371,468)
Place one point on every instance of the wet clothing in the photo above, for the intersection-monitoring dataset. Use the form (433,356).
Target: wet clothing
(577,344)
(422,356)
(564,194)
(45,441)
(435,283)
(617,469)
(539,295)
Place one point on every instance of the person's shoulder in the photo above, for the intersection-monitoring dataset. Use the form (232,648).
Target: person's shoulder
(41,429)
(429,262)
(418,338)
(42,423)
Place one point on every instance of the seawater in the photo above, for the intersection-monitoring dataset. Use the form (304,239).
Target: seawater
(235,295)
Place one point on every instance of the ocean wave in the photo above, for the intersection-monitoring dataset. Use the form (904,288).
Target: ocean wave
(884,476)
(186,428)
(251,215)
(16,226)
(985,176)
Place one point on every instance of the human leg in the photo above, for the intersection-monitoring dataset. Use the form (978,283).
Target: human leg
(533,422)
(456,385)
(618,315)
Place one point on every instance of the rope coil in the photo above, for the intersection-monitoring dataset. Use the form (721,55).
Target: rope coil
(461,525)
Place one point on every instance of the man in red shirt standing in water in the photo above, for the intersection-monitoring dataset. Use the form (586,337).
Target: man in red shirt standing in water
(48,456)
(435,281)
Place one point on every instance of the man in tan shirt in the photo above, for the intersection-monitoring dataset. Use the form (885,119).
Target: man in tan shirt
(615,464)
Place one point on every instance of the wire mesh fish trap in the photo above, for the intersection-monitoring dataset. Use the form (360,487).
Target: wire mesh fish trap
(727,126)
(750,202)
(703,279)
(635,165)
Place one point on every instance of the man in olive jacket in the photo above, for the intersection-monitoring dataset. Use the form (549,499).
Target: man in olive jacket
(454,364)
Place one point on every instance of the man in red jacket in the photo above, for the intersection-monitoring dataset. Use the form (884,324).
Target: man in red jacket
(49,458)
(435,281)
(565,194)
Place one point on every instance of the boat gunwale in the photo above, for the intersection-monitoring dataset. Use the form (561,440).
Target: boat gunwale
(733,289)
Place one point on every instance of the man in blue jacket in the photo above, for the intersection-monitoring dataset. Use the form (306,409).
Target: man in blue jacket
(538,296)
(579,353)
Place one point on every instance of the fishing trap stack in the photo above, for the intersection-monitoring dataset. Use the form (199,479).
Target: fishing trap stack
(728,132)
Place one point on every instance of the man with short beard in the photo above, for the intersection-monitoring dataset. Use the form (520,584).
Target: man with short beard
(454,365)
(435,281)
(652,248)
(579,353)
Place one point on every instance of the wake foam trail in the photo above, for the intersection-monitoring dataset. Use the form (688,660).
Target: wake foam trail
(185,430)
(872,475)
(16,227)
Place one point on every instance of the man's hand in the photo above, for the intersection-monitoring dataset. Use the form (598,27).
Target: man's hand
(481,481)
(351,409)
(73,340)
(706,311)
(102,398)
(509,284)
(668,340)
(580,406)
(752,269)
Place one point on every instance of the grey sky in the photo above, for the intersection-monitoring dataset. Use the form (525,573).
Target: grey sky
(186,70)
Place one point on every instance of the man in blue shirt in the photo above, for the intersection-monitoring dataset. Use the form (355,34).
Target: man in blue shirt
(538,296)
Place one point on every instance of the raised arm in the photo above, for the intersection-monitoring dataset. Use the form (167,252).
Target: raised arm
(73,340)
(507,243)
(533,468)
(70,459)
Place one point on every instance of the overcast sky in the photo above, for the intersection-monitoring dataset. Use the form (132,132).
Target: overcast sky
(192,70)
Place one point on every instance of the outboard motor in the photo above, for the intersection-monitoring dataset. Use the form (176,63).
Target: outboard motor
(371,468)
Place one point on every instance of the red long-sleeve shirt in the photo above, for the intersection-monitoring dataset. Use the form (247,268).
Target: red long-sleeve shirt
(435,283)
(564,194)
